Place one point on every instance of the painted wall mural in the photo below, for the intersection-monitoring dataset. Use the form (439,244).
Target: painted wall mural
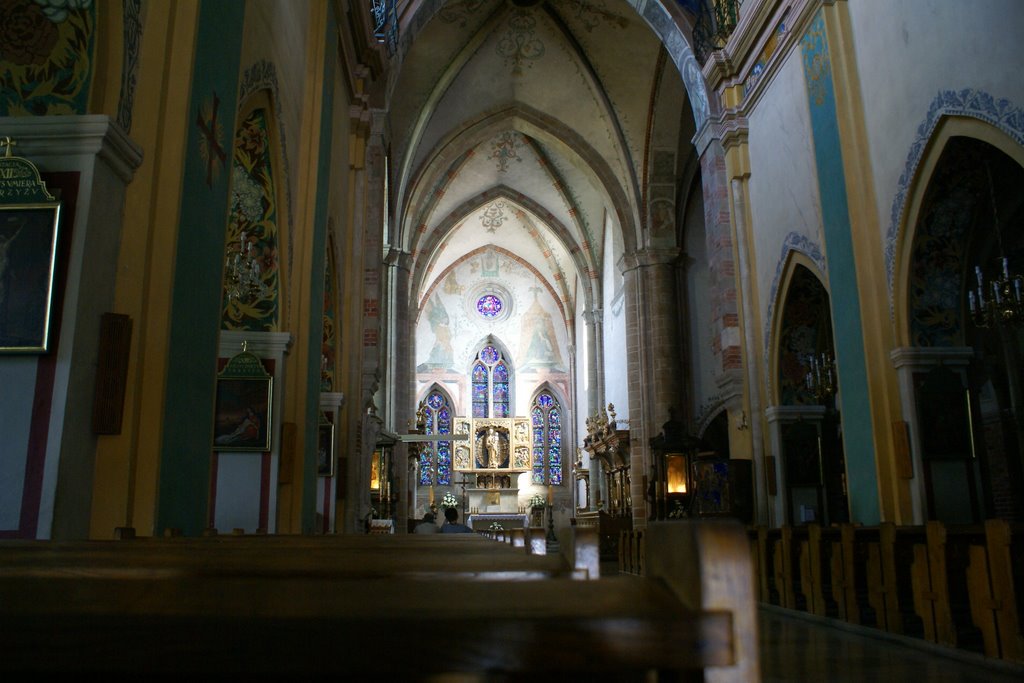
(490,294)
(46,56)
(538,346)
(253,223)
(505,148)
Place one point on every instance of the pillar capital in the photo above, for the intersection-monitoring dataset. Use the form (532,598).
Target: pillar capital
(649,256)
(398,258)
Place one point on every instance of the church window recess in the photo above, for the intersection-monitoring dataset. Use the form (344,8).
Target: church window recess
(546,418)
(489,305)
(490,384)
(436,457)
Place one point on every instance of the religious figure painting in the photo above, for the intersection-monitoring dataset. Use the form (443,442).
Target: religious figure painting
(28,254)
(242,415)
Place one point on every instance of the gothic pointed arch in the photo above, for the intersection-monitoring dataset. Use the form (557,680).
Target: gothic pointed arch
(802,327)
(491,380)
(547,420)
(435,465)
(940,215)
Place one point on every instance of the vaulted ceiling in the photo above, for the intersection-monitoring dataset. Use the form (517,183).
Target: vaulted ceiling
(526,127)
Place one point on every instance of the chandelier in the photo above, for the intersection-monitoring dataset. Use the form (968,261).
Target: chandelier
(243,278)
(820,378)
(1002,302)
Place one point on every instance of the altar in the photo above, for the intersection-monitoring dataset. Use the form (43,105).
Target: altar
(493,500)
(482,521)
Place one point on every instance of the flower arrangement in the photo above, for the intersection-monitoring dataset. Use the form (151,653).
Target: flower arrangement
(449,501)
(495,526)
(537,501)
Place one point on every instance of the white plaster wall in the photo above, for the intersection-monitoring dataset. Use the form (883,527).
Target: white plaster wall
(783,183)
(909,51)
(698,304)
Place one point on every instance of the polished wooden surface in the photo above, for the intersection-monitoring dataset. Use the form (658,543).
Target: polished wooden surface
(408,606)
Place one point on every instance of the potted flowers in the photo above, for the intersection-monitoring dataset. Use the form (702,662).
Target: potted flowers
(449,501)
(537,501)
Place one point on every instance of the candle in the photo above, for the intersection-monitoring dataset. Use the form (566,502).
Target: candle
(431,494)
(551,495)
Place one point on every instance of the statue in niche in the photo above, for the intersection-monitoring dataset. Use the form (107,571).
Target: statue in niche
(491,449)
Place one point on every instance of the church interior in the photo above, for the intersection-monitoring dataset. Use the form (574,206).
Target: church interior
(598,268)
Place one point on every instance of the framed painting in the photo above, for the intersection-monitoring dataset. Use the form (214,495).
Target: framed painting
(242,414)
(325,450)
(28,256)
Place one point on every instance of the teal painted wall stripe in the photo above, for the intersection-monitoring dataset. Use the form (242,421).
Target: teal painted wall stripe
(858,441)
(316,289)
(195,303)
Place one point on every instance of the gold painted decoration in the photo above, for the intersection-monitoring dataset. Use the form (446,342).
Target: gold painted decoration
(250,299)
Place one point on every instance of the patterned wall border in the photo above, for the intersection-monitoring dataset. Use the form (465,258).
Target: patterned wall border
(259,76)
(977,104)
(794,241)
(130,69)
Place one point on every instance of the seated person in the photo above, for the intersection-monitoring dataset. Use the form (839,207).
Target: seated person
(451,524)
(426,526)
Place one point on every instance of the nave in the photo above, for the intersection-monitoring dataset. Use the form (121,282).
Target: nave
(797,648)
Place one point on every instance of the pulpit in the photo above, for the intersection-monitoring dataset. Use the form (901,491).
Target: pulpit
(609,444)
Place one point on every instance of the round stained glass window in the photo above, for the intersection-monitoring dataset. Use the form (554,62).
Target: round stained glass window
(489,305)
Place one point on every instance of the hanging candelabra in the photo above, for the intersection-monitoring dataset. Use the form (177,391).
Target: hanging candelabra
(820,378)
(1002,301)
(243,276)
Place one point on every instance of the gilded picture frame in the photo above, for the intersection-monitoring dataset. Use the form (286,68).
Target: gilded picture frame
(242,414)
(29,235)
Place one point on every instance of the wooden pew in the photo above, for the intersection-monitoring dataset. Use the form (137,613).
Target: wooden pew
(405,605)
(993,598)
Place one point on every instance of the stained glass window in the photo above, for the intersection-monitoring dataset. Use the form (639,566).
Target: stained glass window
(489,305)
(545,417)
(436,457)
(490,384)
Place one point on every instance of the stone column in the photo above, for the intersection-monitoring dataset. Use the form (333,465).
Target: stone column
(594,319)
(653,360)
(399,409)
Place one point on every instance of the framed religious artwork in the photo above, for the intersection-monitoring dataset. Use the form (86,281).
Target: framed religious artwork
(325,449)
(29,220)
(242,409)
